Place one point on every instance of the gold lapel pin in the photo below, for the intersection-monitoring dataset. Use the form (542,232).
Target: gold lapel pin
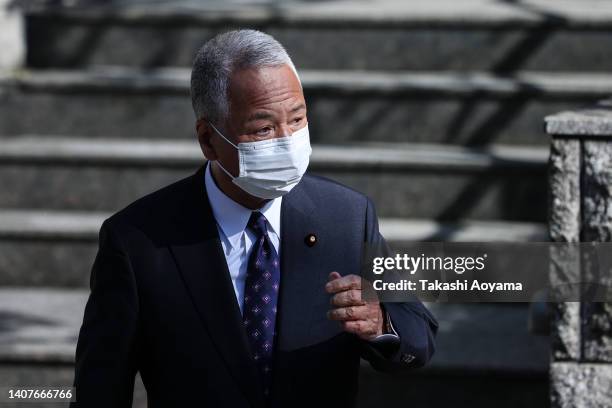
(310,240)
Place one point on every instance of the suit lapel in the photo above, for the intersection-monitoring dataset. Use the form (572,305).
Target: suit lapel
(299,281)
(202,265)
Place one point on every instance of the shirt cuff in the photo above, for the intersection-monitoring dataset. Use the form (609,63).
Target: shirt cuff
(387,342)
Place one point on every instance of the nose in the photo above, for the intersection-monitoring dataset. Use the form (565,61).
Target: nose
(285,131)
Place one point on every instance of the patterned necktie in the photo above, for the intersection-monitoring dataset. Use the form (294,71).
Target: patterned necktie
(260,296)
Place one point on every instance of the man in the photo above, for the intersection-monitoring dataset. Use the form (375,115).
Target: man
(239,286)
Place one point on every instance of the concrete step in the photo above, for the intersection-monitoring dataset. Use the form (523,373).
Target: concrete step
(477,344)
(484,351)
(57,248)
(404,180)
(38,339)
(451,108)
(379,35)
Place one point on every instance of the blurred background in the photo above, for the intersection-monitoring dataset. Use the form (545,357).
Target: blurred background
(432,108)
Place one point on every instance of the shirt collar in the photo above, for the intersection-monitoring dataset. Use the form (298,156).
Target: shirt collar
(232,217)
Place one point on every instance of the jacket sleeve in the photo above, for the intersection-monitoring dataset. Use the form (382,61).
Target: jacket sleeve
(414,324)
(106,361)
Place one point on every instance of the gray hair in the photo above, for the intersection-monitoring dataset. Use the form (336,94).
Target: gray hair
(220,57)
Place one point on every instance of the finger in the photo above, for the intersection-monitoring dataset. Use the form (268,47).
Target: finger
(349,313)
(343,283)
(360,328)
(348,298)
(333,276)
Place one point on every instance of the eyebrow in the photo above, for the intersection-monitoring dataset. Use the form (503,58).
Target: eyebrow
(259,116)
(265,115)
(297,108)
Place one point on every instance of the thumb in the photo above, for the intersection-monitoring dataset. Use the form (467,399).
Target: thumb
(333,276)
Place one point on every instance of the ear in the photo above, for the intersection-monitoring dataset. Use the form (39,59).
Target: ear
(205,133)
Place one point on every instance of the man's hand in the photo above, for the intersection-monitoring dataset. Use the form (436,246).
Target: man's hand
(365,319)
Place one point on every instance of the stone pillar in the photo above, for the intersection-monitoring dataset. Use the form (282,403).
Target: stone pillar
(12,39)
(580,176)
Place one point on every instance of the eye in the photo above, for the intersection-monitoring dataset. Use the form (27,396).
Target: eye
(297,120)
(263,131)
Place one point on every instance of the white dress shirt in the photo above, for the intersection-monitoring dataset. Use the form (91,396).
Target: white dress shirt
(236,239)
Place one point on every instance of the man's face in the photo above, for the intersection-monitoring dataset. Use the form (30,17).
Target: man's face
(264,103)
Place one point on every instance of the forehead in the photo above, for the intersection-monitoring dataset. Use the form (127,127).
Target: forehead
(266,87)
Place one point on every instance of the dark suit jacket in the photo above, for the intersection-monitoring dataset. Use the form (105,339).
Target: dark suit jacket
(162,303)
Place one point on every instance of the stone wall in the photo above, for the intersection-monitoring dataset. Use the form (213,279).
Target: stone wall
(580,175)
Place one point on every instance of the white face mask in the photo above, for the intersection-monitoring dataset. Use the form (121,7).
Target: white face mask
(271,168)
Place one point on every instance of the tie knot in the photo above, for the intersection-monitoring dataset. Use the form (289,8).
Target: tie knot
(258,222)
